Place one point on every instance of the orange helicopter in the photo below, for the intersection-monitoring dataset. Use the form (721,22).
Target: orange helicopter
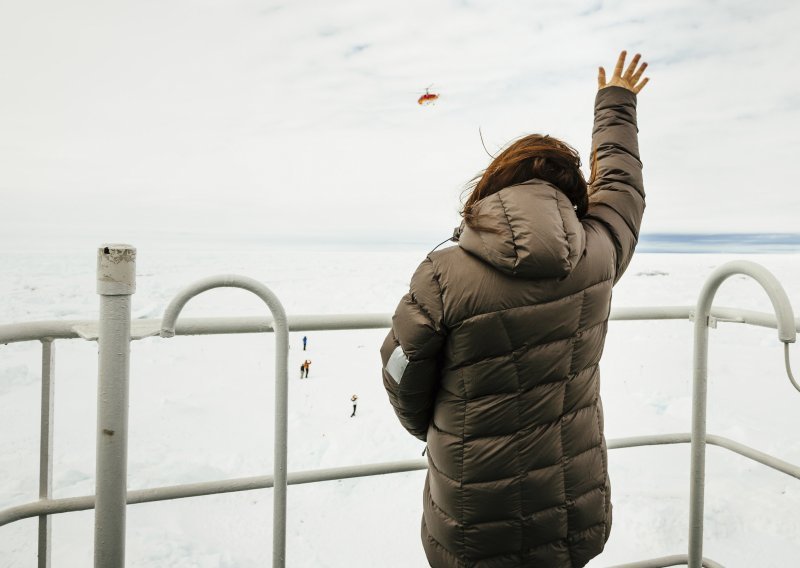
(428,98)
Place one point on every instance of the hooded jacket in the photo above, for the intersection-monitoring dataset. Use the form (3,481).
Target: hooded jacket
(492,359)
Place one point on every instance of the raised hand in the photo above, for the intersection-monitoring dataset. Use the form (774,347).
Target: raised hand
(629,80)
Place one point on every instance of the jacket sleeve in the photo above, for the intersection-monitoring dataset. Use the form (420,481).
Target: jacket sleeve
(410,352)
(617,198)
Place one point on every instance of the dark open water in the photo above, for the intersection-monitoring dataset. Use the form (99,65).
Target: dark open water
(686,243)
(720,242)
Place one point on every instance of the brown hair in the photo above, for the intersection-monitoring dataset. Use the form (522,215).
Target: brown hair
(535,156)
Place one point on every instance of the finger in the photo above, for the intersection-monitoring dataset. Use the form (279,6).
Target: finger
(635,78)
(641,85)
(601,78)
(629,71)
(620,64)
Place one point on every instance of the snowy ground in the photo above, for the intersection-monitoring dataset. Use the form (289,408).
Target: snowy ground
(201,409)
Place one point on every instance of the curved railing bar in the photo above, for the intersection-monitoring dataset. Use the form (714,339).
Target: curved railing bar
(140,328)
(199,489)
(281,329)
(665,561)
(786,333)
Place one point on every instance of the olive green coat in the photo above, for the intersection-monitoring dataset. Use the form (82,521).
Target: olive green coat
(493,360)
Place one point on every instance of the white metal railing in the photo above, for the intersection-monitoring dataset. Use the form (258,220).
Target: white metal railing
(114,331)
(281,331)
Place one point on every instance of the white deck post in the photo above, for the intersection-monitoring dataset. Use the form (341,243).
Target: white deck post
(116,282)
(46,448)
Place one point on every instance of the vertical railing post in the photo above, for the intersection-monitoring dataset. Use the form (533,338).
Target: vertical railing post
(116,282)
(281,327)
(46,448)
(699,405)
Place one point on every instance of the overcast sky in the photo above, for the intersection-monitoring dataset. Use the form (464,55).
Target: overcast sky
(299,118)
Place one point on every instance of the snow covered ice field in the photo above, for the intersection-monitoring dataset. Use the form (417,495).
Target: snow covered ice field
(201,409)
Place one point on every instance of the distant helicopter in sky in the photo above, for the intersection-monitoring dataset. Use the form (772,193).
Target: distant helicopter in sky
(428,98)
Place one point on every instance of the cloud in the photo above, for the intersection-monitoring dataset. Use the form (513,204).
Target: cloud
(209,107)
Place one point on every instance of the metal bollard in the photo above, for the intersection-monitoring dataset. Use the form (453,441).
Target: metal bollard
(116,282)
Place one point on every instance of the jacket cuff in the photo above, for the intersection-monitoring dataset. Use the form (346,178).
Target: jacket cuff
(614,95)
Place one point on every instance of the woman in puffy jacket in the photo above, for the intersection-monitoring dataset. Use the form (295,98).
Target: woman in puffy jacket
(493,354)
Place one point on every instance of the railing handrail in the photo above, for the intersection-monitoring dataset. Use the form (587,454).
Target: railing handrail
(787,333)
(149,327)
(233,485)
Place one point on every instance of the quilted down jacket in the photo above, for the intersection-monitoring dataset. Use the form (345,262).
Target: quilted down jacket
(493,357)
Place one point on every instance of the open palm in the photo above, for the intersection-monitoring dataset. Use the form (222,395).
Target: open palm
(630,79)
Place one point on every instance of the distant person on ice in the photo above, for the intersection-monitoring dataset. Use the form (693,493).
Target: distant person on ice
(306,365)
(493,354)
(354,400)
(302,369)
(305,339)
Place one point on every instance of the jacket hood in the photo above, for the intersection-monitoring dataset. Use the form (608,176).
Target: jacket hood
(538,233)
